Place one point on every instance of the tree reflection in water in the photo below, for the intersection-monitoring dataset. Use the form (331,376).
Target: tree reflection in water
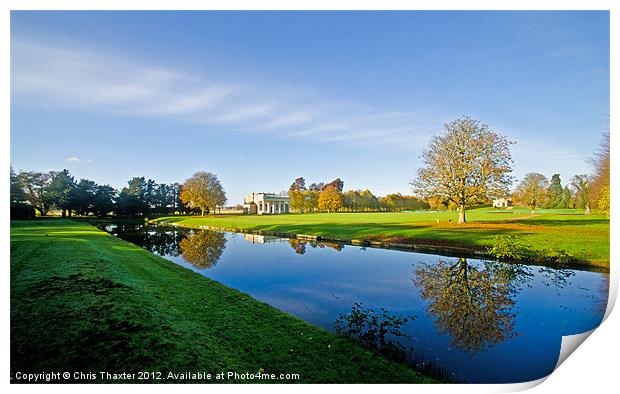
(203,248)
(474,304)
(155,239)
(300,245)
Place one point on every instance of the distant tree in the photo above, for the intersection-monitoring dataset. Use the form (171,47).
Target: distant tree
(466,165)
(568,200)
(17,194)
(555,193)
(351,200)
(296,194)
(330,199)
(581,183)
(132,199)
(437,203)
(311,200)
(296,199)
(163,200)
(369,201)
(532,191)
(298,184)
(34,184)
(20,208)
(337,184)
(179,205)
(600,183)
(60,191)
(316,186)
(203,191)
(104,200)
(83,197)
(150,195)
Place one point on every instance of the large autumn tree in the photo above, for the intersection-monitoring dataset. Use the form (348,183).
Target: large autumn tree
(467,165)
(203,191)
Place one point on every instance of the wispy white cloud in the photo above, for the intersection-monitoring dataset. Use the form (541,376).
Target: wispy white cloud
(67,76)
(76,160)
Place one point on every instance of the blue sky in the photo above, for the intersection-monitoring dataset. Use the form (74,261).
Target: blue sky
(260,98)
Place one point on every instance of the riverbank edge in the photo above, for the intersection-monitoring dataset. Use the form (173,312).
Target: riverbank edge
(418,247)
(376,368)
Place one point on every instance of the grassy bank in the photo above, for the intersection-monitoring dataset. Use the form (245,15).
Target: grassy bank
(584,237)
(83,300)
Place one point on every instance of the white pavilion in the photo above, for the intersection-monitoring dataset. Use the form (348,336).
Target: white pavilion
(266,203)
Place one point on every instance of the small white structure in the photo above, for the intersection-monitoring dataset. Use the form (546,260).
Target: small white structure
(505,202)
(266,203)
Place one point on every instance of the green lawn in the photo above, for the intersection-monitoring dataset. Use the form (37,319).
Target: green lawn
(83,300)
(585,237)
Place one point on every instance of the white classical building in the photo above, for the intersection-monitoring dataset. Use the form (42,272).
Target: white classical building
(266,203)
(505,202)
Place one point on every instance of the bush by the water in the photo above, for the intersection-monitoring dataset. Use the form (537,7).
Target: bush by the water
(512,248)
(509,247)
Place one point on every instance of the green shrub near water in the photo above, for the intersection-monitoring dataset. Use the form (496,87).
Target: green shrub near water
(513,248)
(509,247)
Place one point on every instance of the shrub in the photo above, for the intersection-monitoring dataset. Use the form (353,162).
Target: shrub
(509,247)
(512,248)
(554,256)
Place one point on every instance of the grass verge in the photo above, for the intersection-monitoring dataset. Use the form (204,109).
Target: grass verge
(85,301)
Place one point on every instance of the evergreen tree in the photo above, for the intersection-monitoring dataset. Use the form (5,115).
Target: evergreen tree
(555,193)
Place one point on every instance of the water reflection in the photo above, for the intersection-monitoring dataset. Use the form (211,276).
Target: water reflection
(477,320)
(203,248)
(299,245)
(385,332)
(151,238)
(474,304)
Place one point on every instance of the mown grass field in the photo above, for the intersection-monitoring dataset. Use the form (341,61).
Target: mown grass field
(585,237)
(83,300)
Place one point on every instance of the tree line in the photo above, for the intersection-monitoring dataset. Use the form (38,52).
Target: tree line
(586,191)
(329,197)
(536,191)
(40,192)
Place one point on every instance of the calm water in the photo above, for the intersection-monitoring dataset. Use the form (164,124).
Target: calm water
(481,321)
